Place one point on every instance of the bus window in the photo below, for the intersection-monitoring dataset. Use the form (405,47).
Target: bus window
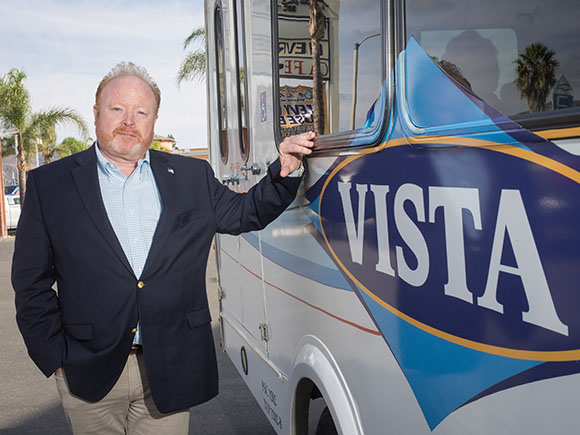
(350,44)
(522,57)
(220,80)
(242,78)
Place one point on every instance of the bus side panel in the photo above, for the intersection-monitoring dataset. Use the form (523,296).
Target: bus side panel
(267,385)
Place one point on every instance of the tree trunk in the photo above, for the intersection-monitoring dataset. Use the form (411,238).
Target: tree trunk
(316,27)
(22,168)
(318,93)
(47,156)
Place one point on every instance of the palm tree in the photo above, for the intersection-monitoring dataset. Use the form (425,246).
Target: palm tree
(193,66)
(316,27)
(536,75)
(16,114)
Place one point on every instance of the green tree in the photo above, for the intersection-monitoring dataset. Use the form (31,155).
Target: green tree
(156,145)
(48,143)
(16,114)
(193,65)
(536,75)
(70,146)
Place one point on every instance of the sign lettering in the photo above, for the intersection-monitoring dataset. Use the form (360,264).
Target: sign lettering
(512,225)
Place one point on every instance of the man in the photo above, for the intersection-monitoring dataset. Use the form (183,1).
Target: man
(125,233)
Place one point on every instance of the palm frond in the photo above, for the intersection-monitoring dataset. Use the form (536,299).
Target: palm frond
(14,100)
(42,122)
(197,35)
(192,67)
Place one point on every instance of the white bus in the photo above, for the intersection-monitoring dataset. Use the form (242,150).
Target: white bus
(427,277)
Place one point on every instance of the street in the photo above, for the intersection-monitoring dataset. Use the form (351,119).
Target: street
(29,402)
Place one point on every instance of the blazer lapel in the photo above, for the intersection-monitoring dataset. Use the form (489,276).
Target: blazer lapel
(87,181)
(165,178)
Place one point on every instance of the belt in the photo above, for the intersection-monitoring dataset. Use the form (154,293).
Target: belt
(136,348)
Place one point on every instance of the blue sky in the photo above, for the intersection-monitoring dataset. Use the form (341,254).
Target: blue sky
(65,47)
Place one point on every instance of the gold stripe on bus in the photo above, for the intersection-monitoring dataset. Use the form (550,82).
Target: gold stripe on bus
(521,153)
(557,355)
(561,133)
(564,355)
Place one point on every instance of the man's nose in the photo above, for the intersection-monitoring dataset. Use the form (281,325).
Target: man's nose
(129,119)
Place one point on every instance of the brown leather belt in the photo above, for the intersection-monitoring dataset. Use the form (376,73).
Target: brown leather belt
(136,349)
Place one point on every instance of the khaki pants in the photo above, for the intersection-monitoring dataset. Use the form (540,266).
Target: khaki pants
(127,409)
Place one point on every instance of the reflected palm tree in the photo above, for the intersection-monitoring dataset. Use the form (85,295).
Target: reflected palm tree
(536,75)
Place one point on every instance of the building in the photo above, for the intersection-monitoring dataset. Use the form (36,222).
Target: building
(198,153)
(165,143)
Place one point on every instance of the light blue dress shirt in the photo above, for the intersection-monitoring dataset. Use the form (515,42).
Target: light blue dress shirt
(133,206)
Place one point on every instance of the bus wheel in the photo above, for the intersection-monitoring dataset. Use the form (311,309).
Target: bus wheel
(326,424)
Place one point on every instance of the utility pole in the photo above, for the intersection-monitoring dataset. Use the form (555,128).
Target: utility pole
(355,78)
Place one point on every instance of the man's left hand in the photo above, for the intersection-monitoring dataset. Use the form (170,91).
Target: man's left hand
(293,149)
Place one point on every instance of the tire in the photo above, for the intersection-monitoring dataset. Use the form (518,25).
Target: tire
(326,424)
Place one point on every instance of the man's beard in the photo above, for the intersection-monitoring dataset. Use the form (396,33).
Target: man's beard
(129,150)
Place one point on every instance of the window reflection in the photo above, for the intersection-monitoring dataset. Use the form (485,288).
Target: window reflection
(240,33)
(326,102)
(475,56)
(220,71)
(520,57)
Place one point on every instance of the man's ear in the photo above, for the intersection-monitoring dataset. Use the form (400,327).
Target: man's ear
(95,112)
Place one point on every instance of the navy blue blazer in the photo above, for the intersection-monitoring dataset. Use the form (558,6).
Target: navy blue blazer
(64,237)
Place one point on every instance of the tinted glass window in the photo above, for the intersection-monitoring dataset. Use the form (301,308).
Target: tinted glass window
(242,78)
(343,29)
(221,88)
(522,57)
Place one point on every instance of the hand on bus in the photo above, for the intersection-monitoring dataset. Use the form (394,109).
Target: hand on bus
(293,149)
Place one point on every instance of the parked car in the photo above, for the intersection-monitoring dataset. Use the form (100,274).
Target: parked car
(11,189)
(12,206)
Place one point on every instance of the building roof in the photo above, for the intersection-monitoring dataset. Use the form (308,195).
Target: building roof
(160,138)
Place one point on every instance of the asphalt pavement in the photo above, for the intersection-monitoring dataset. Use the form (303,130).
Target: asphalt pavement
(29,402)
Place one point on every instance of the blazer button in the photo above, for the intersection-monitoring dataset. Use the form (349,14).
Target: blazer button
(140,284)
(134,330)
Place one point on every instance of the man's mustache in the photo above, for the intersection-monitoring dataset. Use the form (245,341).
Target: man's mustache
(128,131)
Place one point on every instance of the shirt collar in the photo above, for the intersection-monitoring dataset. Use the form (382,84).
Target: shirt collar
(107,167)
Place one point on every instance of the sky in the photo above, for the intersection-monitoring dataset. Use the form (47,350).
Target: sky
(65,47)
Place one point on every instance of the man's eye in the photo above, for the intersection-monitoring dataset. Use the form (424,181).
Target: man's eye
(116,109)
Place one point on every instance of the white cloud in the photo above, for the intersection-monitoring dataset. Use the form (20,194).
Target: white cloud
(66,47)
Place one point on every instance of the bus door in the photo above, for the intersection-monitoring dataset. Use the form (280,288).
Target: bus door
(246,173)
(227,247)
(239,256)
